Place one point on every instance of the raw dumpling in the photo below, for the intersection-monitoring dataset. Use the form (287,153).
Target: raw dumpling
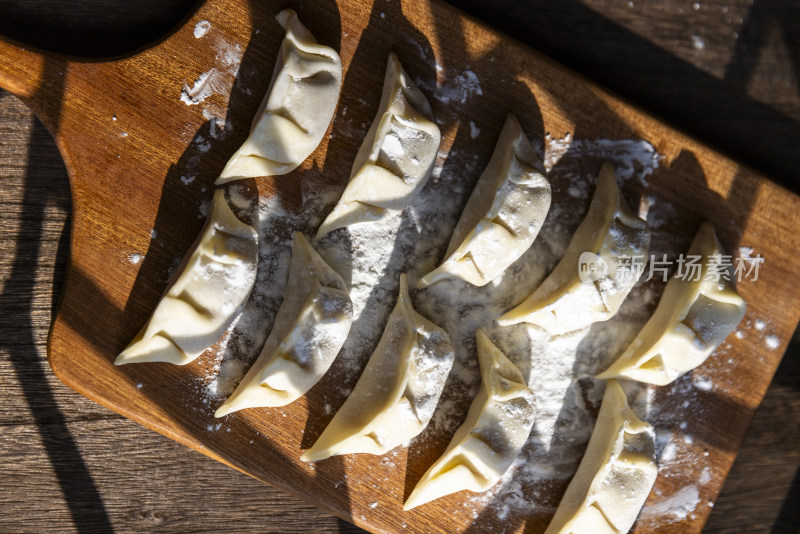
(486,444)
(297,110)
(395,396)
(613,243)
(395,159)
(695,314)
(310,328)
(209,293)
(503,215)
(615,475)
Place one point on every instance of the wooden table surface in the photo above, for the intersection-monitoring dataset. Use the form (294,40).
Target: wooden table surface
(727,72)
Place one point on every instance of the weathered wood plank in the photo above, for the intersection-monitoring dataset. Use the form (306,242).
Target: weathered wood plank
(34,212)
(146,482)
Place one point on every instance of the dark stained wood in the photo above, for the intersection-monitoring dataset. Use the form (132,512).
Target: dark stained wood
(155,503)
(186,239)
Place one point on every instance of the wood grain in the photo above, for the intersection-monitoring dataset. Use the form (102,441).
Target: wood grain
(718,169)
(123,445)
(70,464)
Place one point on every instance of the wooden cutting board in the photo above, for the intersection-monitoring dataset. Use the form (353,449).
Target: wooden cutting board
(142,162)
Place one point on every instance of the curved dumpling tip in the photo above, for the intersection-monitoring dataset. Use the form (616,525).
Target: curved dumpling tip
(604,260)
(503,215)
(395,159)
(310,328)
(395,396)
(297,109)
(485,445)
(695,315)
(615,476)
(211,290)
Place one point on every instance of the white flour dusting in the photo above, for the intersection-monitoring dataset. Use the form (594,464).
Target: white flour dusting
(201,29)
(698,42)
(632,158)
(371,257)
(203,87)
(474,131)
(702,383)
(772,341)
(746,253)
(676,507)
(667,446)
(219,78)
(456,89)
(677,452)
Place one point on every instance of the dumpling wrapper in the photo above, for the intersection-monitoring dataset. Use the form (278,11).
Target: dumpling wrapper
(692,319)
(394,160)
(486,444)
(298,107)
(311,326)
(610,235)
(210,292)
(395,397)
(503,215)
(615,476)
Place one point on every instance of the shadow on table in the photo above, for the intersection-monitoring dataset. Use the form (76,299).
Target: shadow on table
(80,492)
(92,28)
(788,375)
(720,112)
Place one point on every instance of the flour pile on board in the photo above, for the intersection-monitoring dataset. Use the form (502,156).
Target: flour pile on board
(676,507)
(371,257)
(205,85)
(455,89)
(631,158)
(217,79)
(201,29)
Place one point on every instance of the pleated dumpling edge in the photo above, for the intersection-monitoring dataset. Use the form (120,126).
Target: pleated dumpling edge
(503,215)
(310,328)
(396,394)
(297,109)
(210,291)
(497,426)
(396,156)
